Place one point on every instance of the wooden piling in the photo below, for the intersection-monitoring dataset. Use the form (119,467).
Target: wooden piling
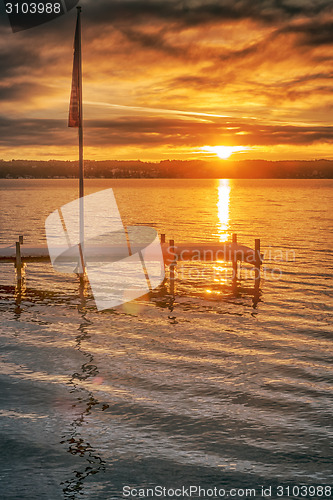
(234,259)
(162,263)
(257,259)
(18,263)
(21,240)
(172,269)
(257,252)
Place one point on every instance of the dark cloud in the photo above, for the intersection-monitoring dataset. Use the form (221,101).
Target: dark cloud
(278,92)
(308,78)
(33,132)
(193,134)
(24,91)
(313,32)
(196,12)
(150,132)
(14,62)
(155,41)
(132,17)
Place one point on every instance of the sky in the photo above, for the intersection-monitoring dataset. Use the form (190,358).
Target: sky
(173,79)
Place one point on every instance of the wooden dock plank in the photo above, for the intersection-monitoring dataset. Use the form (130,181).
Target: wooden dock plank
(181,252)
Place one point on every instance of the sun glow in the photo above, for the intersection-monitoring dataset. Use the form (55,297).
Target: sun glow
(223,152)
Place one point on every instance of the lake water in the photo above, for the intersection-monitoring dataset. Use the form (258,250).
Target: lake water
(219,388)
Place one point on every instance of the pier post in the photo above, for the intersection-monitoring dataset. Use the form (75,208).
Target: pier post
(18,264)
(258,259)
(172,269)
(234,259)
(256,294)
(21,240)
(163,264)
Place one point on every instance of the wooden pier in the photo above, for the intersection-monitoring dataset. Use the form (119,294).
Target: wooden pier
(232,251)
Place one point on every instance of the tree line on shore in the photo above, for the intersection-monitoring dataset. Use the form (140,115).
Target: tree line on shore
(191,169)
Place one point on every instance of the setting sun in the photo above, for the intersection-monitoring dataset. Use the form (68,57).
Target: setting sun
(223,152)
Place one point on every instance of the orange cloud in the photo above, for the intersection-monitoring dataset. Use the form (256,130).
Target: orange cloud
(228,73)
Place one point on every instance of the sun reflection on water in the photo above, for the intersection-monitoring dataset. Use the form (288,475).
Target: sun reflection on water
(223,209)
(220,268)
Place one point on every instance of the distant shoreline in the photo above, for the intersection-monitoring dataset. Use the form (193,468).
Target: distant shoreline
(152,178)
(168,169)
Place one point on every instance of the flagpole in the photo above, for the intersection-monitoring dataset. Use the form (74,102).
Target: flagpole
(75,119)
(81,167)
(81,164)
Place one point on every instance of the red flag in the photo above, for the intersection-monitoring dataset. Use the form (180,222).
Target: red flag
(75,107)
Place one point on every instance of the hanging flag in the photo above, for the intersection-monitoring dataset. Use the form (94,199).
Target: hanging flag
(75,107)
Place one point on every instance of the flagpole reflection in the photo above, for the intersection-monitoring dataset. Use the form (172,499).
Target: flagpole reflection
(77,444)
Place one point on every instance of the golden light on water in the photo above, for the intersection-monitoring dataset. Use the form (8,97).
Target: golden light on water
(223,209)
